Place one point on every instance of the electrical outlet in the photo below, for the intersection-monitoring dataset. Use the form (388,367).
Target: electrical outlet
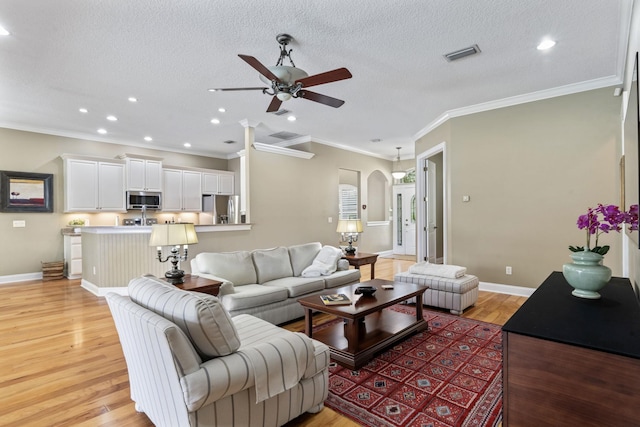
(330,220)
(508,269)
(19,224)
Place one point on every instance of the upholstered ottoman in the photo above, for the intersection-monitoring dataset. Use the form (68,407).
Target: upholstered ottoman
(443,292)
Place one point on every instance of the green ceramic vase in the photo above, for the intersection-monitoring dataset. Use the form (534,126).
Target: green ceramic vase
(586,274)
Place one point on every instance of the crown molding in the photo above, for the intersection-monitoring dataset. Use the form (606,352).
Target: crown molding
(352,149)
(282,151)
(519,99)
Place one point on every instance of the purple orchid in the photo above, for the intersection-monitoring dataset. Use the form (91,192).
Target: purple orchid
(604,219)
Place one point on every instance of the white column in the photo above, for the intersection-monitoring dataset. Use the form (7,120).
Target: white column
(245,167)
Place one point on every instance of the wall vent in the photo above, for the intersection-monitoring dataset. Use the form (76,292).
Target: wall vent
(459,54)
(229,141)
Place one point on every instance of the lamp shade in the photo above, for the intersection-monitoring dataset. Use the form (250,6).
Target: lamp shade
(398,174)
(173,234)
(349,226)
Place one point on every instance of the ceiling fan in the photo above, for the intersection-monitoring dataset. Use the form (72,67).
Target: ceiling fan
(288,82)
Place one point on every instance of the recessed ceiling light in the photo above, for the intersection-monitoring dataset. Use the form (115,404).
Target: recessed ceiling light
(215,121)
(186,144)
(212,90)
(546,44)
(133,99)
(3,31)
(291,118)
(112,118)
(83,110)
(148,138)
(102,131)
(222,110)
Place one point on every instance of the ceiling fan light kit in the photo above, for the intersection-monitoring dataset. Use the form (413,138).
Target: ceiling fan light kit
(288,81)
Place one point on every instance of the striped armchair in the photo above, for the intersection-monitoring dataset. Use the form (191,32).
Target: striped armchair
(191,364)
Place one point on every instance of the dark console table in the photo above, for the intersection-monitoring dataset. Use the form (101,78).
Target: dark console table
(569,361)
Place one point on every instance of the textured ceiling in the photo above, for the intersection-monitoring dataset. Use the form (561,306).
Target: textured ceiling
(67,54)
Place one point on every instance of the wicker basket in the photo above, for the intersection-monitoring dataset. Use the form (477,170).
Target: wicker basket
(52,270)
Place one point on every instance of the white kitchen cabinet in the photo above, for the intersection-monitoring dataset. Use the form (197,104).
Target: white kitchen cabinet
(217,183)
(73,257)
(94,185)
(182,190)
(144,174)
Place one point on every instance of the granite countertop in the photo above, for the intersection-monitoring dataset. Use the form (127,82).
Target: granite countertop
(70,231)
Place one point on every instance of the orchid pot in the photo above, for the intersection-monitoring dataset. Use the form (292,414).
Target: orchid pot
(586,274)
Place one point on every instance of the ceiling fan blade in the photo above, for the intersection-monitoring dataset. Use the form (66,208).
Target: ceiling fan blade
(227,89)
(327,77)
(259,67)
(274,105)
(322,99)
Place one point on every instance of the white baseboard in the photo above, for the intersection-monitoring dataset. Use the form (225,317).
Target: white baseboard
(384,253)
(25,277)
(506,289)
(100,292)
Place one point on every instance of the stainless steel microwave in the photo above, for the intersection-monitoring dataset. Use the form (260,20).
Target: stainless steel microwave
(149,199)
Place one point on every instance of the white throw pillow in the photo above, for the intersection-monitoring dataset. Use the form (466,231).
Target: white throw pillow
(303,255)
(325,263)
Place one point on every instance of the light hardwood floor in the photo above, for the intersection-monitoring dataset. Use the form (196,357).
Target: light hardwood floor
(61,363)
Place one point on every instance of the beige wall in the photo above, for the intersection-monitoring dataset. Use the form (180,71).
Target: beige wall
(530,170)
(291,198)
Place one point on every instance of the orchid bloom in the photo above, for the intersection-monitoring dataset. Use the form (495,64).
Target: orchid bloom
(604,219)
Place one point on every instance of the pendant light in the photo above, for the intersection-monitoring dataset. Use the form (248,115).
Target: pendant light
(397,172)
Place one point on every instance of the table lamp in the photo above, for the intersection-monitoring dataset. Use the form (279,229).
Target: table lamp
(173,235)
(349,229)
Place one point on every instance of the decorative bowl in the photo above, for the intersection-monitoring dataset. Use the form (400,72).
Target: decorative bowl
(367,291)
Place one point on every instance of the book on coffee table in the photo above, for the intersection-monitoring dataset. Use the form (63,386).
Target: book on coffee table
(335,299)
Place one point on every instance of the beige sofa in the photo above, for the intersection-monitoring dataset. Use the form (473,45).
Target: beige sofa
(191,364)
(267,283)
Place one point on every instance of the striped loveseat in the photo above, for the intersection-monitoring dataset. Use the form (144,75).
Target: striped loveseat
(191,364)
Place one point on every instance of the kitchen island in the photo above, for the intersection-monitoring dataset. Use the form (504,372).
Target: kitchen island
(113,255)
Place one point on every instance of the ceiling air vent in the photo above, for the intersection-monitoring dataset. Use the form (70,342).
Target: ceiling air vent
(281,112)
(285,135)
(229,141)
(459,54)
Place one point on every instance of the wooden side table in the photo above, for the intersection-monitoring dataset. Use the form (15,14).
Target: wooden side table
(200,284)
(361,258)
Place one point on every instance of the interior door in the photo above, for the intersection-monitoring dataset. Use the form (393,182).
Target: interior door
(430,201)
(404,208)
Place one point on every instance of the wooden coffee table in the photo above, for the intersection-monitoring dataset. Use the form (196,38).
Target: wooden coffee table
(367,328)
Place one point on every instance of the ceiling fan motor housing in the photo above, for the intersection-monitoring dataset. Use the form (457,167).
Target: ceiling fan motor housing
(286,74)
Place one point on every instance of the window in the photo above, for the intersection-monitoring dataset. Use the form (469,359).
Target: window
(347,201)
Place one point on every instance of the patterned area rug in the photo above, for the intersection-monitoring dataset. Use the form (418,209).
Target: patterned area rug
(450,375)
